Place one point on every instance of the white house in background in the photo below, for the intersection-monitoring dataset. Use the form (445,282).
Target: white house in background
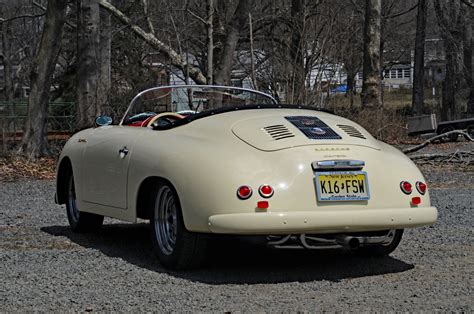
(327,74)
(397,76)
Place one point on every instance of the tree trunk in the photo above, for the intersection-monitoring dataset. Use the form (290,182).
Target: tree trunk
(450,21)
(7,62)
(468,57)
(448,108)
(371,85)
(210,41)
(88,52)
(252,56)
(105,53)
(419,66)
(351,88)
(35,142)
(297,81)
(224,66)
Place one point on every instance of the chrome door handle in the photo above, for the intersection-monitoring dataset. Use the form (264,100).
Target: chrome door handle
(123,151)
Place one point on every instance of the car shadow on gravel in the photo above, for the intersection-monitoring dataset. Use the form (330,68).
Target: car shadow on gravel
(234,260)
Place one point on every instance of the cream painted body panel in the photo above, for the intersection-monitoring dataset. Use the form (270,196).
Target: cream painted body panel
(209,158)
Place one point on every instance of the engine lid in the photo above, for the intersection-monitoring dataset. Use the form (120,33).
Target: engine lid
(273,133)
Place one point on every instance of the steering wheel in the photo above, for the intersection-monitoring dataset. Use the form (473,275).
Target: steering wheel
(172,115)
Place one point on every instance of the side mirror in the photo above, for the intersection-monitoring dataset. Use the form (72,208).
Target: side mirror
(103,121)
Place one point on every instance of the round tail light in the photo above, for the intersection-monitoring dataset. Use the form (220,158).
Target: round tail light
(405,186)
(265,191)
(421,187)
(244,192)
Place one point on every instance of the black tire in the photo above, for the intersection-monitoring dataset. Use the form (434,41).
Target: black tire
(176,247)
(382,250)
(80,222)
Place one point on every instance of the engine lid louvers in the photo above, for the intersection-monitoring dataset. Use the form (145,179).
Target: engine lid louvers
(278,131)
(351,131)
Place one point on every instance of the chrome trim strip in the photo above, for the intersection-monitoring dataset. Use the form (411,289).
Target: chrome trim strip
(338,164)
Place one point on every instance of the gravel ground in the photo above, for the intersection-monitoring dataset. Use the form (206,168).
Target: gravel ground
(46,267)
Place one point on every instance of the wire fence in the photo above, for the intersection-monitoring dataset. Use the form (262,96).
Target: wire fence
(61,119)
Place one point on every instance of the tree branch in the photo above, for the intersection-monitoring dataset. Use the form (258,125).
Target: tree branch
(469,3)
(147,16)
(174,58)
(197,16)
(401,13)
(2,20)
(428,141)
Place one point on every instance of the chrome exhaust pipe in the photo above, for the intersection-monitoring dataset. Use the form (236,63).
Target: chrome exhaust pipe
(321,242)
(348,242)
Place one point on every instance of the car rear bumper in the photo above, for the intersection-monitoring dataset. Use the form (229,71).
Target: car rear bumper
(322,221)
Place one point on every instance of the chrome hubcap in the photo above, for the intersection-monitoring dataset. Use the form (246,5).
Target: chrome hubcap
(165,220)
(73,211)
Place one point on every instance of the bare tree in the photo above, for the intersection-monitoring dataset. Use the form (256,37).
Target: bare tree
(210,41)
(371,86)
(296,50)
(468,51)
(7,60)
(449,16)
(174,58)
(105,56)
(419,66)
(35,142)
(226,57)
(87,76)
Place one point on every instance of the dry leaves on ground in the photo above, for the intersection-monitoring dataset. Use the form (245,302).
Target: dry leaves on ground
(15,168)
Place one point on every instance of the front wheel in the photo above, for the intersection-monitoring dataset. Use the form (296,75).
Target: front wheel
(176,247)
(80,222)
(385,249)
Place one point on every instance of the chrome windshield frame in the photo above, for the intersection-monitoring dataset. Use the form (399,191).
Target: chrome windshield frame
(193,86)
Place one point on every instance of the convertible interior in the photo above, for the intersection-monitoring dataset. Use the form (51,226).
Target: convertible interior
(148,119)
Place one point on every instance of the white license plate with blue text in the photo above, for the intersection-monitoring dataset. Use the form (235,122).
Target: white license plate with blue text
(342,186)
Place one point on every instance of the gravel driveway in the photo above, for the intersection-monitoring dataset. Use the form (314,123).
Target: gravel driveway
(46,267)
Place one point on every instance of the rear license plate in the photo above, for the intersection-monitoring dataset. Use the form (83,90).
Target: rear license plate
(342,186)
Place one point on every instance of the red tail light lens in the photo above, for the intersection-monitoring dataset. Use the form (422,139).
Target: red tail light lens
(421,187)
(405,187)
(416,200)
(262,205)
(244,192)
(265,191)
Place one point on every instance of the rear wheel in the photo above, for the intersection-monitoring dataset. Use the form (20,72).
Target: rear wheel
(80,221)
(176,247)
(380,250)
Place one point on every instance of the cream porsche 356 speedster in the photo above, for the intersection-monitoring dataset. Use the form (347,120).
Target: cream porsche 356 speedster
(203,160)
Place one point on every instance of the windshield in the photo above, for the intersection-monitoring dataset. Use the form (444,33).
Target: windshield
(188,100)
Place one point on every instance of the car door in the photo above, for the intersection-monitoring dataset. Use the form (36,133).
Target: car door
(105,167)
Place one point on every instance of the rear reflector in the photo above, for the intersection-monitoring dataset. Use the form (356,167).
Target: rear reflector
(421,187)
(244,192)
(262,204)
(265,191)
(405,186)
(416,200)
